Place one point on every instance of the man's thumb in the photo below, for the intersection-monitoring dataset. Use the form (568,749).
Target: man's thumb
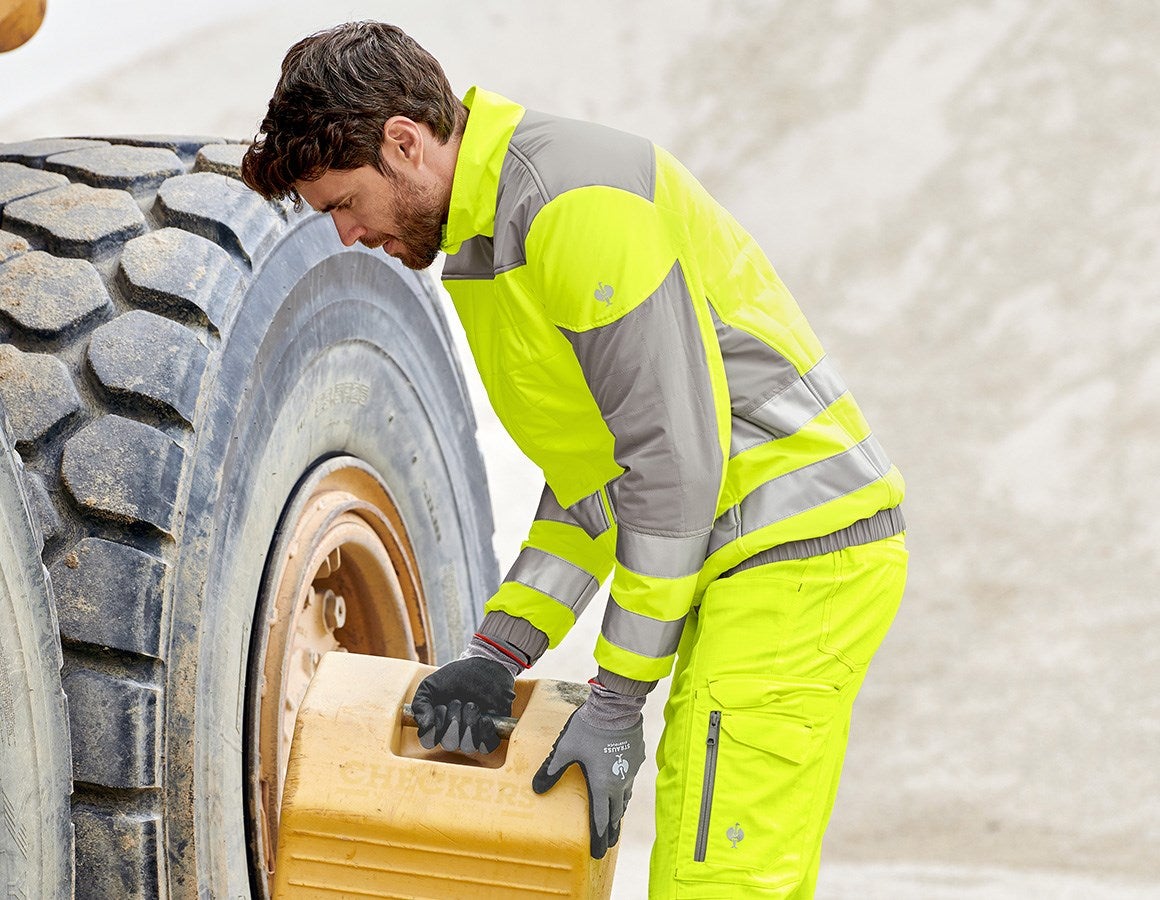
(545,779)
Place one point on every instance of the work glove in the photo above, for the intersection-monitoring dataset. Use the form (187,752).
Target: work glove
(605,737)
(454,705)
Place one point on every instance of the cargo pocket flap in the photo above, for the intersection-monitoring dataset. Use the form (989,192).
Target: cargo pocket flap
(782,737)
(743,693)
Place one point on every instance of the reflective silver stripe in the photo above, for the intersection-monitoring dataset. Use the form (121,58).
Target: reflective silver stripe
(661,556)
(587,514)
(794,406)
(550,509)
(639,634)
(649,375)
(801,489)
(590,515)
(825,381)
(613,491)
(556,577)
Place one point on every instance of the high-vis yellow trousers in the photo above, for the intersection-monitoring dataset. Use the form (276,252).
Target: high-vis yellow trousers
(757,721)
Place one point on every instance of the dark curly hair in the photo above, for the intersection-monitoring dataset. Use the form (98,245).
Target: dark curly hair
(337,90)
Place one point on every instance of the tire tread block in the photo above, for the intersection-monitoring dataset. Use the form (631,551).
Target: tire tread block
(179,274)
(18,181)
(114,723)
(11,246)
(225,159)
(123,470)
(124,168)
(181,144)
(118,854)
(48,296)
(37,391)
(152,357)
(110,595)
(34,153)
(221,209)
(77,220)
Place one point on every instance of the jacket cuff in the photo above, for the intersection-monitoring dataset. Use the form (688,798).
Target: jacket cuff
(514,632)
(630,687)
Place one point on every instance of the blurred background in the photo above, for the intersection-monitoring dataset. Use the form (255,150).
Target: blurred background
(964,197)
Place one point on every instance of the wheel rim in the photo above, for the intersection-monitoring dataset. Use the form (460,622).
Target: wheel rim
(342,576)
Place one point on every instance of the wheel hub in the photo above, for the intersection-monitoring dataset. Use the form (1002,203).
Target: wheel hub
(342,576)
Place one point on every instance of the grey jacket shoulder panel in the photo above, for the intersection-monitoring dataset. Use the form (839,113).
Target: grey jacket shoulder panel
(549,156)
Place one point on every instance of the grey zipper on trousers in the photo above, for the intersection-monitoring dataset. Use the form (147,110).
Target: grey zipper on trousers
(712,741)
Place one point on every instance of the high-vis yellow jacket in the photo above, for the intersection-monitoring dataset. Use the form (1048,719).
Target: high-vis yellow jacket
(640,349)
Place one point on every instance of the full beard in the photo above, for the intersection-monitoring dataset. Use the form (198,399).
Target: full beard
(421,227)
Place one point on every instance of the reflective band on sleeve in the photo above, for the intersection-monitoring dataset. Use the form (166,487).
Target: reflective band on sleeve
(661,556)
(550,509)
(794,406)
(553,576)
(639,634)
(800,490)
(589,514)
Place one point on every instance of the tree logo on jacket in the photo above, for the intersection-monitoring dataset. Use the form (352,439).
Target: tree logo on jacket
(620,767)
(604,293)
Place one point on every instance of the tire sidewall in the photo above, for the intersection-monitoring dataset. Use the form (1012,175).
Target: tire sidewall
(35,758)
(330,351)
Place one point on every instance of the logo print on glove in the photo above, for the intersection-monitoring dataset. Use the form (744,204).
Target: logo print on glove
(604,293)
(735,834)
(620,767)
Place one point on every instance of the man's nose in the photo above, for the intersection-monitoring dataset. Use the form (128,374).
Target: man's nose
(348,229)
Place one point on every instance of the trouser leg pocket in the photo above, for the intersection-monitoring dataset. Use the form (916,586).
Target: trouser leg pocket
(764,757)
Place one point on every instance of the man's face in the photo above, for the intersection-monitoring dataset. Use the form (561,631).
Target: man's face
(403,215)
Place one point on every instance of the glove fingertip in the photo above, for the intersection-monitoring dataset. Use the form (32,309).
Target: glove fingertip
(450,740)
(423,714)
(544,780)
(486,735)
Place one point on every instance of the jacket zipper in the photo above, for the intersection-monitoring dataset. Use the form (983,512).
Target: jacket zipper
(712,741)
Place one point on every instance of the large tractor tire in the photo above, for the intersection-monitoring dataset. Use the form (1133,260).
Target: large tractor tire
(244,445)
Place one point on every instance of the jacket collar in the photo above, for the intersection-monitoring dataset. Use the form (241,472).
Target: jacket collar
(490,124)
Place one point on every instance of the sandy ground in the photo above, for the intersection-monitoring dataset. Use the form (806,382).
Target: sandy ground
(965,198)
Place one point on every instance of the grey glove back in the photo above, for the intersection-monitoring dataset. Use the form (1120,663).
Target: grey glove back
(609,759)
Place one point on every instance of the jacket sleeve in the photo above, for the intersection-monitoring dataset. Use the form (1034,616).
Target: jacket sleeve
(567,556)
(607,265)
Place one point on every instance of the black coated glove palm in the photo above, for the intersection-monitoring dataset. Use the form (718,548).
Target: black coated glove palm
(454,705)
(609,759)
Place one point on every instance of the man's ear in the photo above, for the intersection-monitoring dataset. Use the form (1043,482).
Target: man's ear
(402,142)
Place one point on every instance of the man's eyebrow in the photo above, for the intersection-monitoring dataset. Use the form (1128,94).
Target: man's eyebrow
(332,205)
